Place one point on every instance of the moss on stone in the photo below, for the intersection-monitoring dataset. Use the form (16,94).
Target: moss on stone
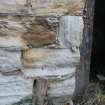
(25,101)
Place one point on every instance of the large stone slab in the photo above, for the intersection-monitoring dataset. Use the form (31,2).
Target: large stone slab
(13,6)
(57,7)
(41,58)
(10,61)
(14,88)
(62,88)
(71,32)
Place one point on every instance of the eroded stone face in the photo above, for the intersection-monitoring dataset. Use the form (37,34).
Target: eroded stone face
(62,88)
(71,32)
(13,6)
(10,61)
(40,58)
(41,32)
(14,88)
(12,43)
(57,7)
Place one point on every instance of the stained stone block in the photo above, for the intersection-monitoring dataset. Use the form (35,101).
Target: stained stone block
(10,61)
(57,7)
(40,58)
(12,27)
(40,33)
(71,32)
(10,34)
(14,88)
(13,6)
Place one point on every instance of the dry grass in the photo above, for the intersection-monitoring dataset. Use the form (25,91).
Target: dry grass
(93,96)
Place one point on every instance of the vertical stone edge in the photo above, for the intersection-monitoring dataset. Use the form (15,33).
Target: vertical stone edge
(83,70)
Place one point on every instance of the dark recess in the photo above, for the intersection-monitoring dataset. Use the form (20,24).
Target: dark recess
(98,45)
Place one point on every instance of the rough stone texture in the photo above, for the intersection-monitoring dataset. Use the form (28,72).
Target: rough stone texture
(12,43)
(57,65)
(40,58)
(45,37)
(70,32)
(11,27)
(40,33)
(10,61)
(11,30)
(13,6)
(57,7)
(49,73)
(14,88)
(60,88)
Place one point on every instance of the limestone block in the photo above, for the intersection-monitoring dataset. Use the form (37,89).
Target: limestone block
(14,88)
(57,7)
(40,58)
(10,61)
(13,6)
(71,32)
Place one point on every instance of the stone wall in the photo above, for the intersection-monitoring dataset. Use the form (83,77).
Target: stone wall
(39,50)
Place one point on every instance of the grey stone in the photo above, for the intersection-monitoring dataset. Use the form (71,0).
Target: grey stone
(13,6)
(70,32)
(10,61)
(14,88)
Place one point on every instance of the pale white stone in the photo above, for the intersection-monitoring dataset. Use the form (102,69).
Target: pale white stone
(71,32)
(10,60)
(11,27)
(14,88)
(12,43)
(50,73)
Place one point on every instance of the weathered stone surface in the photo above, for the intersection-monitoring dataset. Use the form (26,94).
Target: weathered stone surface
(57,7)
(40,58)
(50,73)
(11,30)
(14,88)
(10,60)
(71,32)
(40,33)
(13,6)
(11,27)
(12,43)
(61,88)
